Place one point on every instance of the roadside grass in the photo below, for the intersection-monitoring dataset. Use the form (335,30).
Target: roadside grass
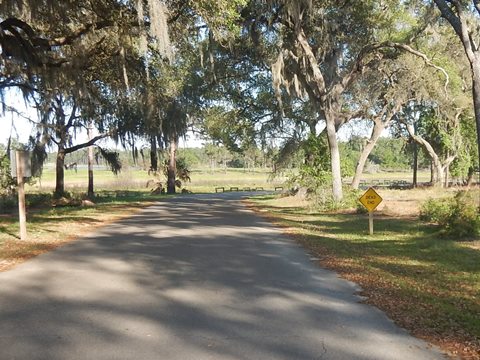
(408,202)
(49,228)
(428,285)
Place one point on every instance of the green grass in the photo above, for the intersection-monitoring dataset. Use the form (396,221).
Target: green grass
(427,284)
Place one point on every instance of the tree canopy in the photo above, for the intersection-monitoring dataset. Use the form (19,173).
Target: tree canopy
(246,73)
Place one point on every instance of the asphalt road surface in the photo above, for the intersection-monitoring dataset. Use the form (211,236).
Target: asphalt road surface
(195,277)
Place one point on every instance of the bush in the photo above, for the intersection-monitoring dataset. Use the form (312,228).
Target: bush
(360,208)
(436,210)
(458,217)
(322,199)
(39,200)
(7,183)
(8,203)
(350,198)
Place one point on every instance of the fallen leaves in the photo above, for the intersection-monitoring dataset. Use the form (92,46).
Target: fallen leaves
(402,272)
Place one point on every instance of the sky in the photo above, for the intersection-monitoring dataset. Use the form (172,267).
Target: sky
(13,124)
(16,125)
(19,128)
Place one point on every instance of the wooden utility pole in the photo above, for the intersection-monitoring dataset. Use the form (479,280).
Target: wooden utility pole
(22,215)
(415,158)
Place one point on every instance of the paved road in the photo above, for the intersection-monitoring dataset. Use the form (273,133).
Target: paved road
(197,277)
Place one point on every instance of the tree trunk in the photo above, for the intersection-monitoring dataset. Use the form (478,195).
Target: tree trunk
(465,30)
(438,170)
(470,177)
(60,173)
(90,191)
(376,132)
(438,173)
(476,99)
(143,160)
(335,160)
(415,164)
(432,173)
(447,175)
(153,154)
(172,167)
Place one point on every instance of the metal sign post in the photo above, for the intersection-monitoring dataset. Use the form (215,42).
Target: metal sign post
(370,200)
(370,222)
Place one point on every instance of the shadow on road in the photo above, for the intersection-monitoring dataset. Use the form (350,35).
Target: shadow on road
(190,278)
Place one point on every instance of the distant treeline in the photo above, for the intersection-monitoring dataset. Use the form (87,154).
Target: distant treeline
(390,154)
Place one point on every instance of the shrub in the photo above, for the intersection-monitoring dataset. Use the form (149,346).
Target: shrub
(322,199)
(458,216)
(464,220)
(360,209)
(8,203)
(350,198)
(7,183)
(39,200)
(436,210)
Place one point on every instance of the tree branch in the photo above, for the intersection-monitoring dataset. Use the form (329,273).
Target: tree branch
(8,84)
(86,144)
(388,44)
(449,15)
(317,74)
(72,116)
(179,13)
(476,3)
(69,39)
(459,24)
(425,59)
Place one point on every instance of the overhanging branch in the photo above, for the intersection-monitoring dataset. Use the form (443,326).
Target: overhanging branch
(406,48)
(87,144)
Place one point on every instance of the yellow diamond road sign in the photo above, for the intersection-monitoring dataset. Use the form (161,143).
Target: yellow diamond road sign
(370,199)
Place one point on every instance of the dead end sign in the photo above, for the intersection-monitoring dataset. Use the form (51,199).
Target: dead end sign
(370,199)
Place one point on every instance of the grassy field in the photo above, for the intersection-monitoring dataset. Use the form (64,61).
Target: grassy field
(429,285)
(202,180)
